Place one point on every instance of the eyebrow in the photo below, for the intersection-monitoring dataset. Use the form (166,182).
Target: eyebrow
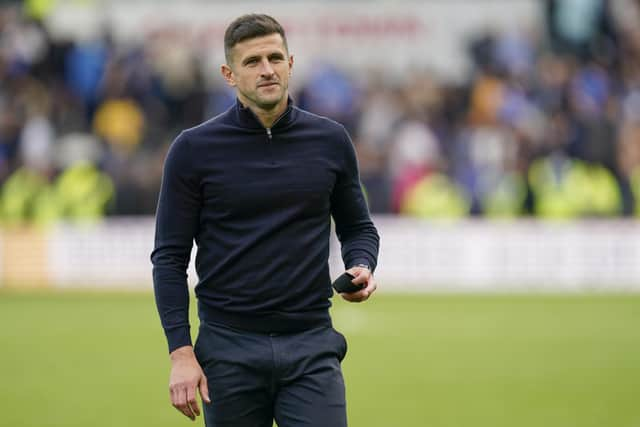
(273,55)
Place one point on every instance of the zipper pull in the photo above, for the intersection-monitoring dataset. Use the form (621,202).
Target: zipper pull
(269,133)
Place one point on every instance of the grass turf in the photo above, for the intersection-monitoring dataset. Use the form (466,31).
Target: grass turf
(99,359)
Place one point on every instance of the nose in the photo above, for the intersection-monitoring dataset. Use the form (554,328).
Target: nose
(266,70)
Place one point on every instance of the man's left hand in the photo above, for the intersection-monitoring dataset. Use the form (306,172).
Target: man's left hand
(363,276)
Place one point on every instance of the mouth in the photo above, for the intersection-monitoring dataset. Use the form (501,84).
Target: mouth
(268,84)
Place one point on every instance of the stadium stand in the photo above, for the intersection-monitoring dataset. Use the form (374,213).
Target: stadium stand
(537,121)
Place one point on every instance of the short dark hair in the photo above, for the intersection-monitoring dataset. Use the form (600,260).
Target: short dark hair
(248,27)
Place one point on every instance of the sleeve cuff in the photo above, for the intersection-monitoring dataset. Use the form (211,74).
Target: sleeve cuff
(178,337)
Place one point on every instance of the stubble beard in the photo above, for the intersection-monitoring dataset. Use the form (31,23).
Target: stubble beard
(268,103)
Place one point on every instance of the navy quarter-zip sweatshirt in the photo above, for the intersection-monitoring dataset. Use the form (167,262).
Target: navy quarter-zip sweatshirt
(258,202)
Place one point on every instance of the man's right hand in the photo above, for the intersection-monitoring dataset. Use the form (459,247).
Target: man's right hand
(187,376)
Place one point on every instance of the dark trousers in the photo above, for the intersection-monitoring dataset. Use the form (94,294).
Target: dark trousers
(255,378)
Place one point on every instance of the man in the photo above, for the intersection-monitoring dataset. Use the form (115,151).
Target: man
(256,187)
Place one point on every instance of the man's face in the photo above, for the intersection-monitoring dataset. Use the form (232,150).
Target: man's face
(259,70)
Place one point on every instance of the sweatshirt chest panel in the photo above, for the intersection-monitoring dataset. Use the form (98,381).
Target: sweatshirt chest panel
(256,177)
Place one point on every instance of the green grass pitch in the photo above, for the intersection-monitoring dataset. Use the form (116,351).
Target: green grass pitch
(99,359)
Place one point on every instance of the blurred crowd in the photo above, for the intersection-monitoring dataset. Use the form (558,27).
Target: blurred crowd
(547,123)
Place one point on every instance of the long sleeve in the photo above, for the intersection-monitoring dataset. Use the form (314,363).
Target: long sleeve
(355,230)
(177,219)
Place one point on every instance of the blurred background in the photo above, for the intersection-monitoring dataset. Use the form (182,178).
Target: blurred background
(499,149)
(505,118)
(457,109)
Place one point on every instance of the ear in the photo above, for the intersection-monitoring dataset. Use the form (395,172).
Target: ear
(227,74)
(290,64)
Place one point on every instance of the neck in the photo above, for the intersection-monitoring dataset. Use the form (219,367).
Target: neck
(267,117)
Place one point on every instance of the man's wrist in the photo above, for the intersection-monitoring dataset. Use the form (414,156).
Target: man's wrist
(180,353)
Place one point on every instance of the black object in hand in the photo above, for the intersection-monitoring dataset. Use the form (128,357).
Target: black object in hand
(344,284)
